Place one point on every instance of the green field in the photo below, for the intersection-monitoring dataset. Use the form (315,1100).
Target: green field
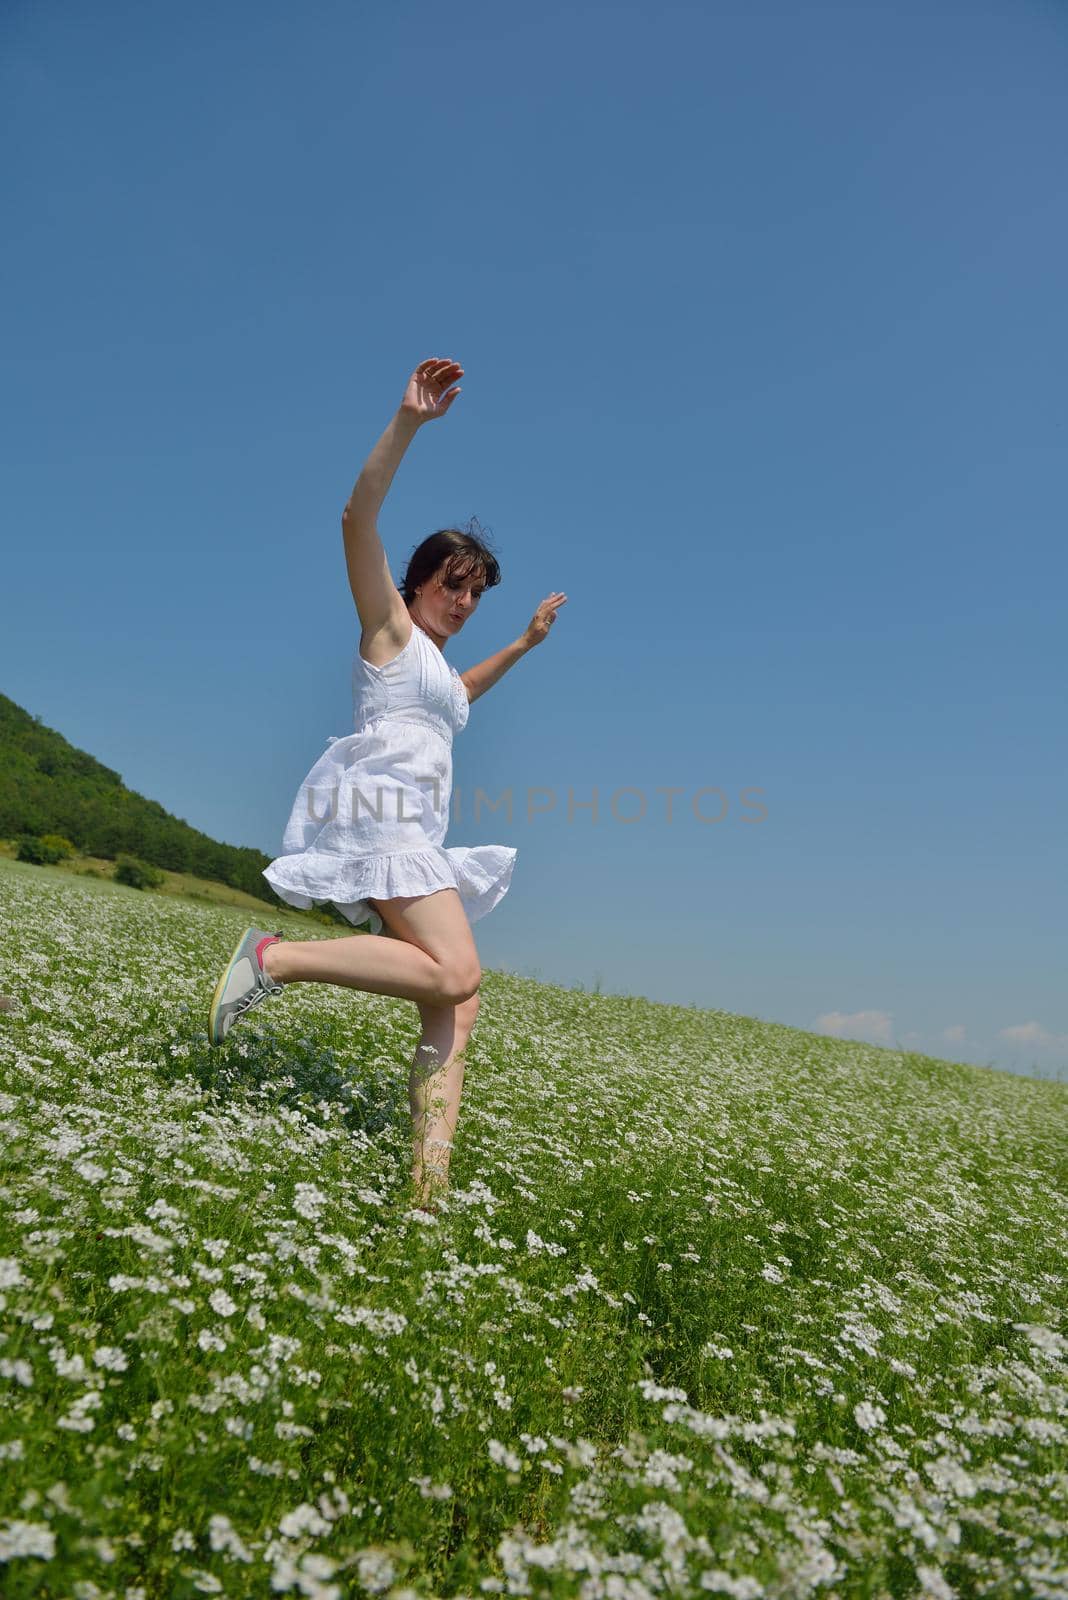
(713,1306)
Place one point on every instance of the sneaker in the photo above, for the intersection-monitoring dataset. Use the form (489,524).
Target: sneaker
(243,985)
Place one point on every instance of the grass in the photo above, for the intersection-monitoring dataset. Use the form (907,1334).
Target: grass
(713,1307)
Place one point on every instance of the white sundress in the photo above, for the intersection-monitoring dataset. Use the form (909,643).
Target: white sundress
(369,820)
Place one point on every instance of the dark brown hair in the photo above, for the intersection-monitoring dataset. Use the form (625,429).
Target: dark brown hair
(466,552)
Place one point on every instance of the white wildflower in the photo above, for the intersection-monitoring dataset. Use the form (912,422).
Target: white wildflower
(223,1536)
(20,1538)
(303,1519)
(76,1420)
(431,1490)
(868,1416)
(501,1454)
(306,1575)
(738,1588)
(934,1586)
(1046,1340)
(375,1571)
(111,1357)
(949,1476)
(309,1201)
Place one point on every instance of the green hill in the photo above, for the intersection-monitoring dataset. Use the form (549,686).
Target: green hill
(49,786)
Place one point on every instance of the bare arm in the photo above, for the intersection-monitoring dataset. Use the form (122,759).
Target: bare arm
(477,680)
(373,589)
(376,595)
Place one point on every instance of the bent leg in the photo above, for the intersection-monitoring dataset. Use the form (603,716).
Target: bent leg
(431,957)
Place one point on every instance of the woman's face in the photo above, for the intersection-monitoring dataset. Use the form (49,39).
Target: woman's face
(447,602)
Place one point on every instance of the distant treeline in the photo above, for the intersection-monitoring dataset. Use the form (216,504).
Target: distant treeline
(47,786)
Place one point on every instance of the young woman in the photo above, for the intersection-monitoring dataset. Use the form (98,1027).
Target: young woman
(367,828)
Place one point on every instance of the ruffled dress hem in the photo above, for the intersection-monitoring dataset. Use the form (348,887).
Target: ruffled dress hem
(481,874)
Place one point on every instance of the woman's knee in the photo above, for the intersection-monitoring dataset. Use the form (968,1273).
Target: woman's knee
(437,924)
(459,982)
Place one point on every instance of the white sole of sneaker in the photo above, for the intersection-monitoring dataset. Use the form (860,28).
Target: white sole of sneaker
(220,987)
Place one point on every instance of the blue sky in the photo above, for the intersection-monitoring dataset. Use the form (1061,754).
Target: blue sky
(762,315)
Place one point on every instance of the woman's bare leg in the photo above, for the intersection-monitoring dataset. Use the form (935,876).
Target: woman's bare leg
(434,1089)
(437,1073)
(432,961)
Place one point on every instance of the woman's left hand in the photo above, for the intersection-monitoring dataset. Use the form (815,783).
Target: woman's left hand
(543,618)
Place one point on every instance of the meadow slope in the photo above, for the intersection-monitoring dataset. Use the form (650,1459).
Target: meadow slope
(713,1307)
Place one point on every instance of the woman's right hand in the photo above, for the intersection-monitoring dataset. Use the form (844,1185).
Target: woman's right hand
(425,397)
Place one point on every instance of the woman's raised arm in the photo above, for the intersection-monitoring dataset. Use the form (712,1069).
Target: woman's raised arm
(376,595)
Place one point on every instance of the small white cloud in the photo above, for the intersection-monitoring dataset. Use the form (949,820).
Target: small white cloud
(1034,1033)
(1026,1033)
(954,1033)
(874,1025)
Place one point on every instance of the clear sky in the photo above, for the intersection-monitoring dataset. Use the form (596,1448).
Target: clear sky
(763,316)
